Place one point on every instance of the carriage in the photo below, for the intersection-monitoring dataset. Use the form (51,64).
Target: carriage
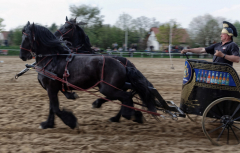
(211,90)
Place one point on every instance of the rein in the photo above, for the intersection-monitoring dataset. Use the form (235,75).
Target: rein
(50,75)
(76,48)
(82,54)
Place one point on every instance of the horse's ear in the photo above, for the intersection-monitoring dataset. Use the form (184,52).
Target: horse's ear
(75,19)
(33,26)
(28,23)
(33,30)
(66,18)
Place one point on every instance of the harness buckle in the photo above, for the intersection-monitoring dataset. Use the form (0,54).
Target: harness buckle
(66,74)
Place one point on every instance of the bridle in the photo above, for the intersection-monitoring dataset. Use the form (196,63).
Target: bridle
(62,34)
(72,29)
(30,50)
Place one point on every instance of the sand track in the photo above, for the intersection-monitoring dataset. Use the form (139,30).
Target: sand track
(24,105)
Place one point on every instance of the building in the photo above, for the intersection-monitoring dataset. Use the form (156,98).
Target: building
(4,38)
(153,43)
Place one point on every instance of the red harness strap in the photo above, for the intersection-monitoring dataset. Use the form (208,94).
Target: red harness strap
(30,50)
(66,75)
(72,49)
(86,90)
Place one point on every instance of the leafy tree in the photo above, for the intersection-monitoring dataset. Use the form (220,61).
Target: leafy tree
(154,23)
(87,14)
(141,24)
(91,16)
(164,33)
(109,35)
(124,21)
(205,30)
(1,25)
(17,36)
(53,28)
(135,31)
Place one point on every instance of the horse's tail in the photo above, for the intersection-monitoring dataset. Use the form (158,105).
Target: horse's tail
(130,64)
(140,85)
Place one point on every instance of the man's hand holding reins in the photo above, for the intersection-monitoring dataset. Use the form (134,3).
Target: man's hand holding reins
(219,54)
(184,51)
(231,58)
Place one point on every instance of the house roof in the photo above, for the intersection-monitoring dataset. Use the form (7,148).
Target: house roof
(155,30)
(183,39)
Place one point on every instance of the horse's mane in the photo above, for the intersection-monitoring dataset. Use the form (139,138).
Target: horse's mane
(44,37)
(82,35)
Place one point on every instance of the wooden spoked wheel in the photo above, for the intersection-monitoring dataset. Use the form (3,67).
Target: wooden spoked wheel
(220,122)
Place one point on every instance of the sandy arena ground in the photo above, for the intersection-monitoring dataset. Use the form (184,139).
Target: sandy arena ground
(24,105)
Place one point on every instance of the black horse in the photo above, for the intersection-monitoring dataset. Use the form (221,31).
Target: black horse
(73,33)
(85,71)
(80,43)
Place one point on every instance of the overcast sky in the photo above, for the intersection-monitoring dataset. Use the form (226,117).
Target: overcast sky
(46,12)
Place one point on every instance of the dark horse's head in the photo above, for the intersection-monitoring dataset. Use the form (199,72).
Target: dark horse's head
(26,49)
(71,31)
(36,40)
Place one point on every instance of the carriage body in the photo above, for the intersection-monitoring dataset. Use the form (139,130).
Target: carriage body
(205,82)
(212,90)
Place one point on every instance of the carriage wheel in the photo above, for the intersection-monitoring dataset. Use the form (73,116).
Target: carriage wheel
(220,125)
(194,118)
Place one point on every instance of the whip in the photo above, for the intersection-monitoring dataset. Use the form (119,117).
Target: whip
(28,67)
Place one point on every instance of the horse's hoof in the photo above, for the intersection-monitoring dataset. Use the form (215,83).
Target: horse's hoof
(77,127)
(93,105)
(138,117)
(96,104)
(45,125)
(114,119)
(75,95)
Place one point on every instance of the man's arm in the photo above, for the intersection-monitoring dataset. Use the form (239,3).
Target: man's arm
(194,50)
(232,58)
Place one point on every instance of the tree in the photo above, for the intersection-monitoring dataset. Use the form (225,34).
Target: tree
(53,28)
(124,22)
(91,16)
(1,25)
(17,36)
(154,23)
(87,14)
(142,25)
(205,30)
(164,33)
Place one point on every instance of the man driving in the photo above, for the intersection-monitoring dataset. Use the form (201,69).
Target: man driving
(225,51)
